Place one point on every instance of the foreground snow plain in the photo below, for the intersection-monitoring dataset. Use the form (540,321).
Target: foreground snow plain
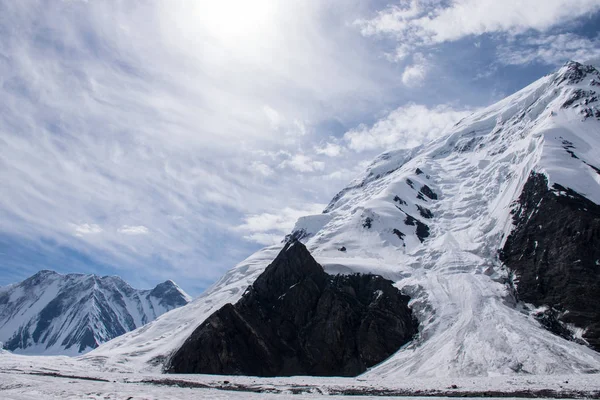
(35,378)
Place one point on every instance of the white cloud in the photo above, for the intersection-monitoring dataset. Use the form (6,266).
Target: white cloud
(395,18)
(401,52)
(86,229)
(405,127)
(273,116)
(133,230)
(551,50)
(270,227)
(329,149)
(415,74)
(265,239)
(261,168)
(430,22)
(303,163)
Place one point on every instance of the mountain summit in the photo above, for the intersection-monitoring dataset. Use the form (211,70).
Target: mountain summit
(491,230)
(50,313)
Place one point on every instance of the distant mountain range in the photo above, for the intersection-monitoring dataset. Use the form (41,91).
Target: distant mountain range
(71,314)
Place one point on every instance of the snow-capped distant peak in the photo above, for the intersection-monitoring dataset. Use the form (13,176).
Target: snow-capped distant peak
(50,313)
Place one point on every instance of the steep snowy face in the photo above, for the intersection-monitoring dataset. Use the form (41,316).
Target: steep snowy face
(432,219)
(50,313)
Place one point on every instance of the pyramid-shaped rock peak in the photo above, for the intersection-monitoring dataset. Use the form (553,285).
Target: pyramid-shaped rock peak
(294,264)
(298,320)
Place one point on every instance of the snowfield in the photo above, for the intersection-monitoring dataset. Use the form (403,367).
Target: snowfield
(432,220)
(35,378)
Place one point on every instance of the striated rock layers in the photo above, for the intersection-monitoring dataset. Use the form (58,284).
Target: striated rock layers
(298,320)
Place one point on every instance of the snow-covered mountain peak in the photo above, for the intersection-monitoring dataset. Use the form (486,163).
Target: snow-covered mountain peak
(51,313)
(433,219)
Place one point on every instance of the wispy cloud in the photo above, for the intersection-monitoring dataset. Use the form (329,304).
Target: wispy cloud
(422,26)
(415,74)
(407,126)
(436,21)
(329,149)
(549,49)
(270,228)
(86,229)
(303,163)
(123,120)
(133,230)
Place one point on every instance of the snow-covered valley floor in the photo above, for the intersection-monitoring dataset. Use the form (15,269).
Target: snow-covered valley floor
(23,377)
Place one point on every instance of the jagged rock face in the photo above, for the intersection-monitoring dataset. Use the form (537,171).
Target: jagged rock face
(50,313)
(554,251)
(297,320)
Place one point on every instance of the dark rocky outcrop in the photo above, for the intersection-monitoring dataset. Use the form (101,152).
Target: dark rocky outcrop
(298,320)
(422,230)
(368,223)
(426,190)
(554,251)
(425,212)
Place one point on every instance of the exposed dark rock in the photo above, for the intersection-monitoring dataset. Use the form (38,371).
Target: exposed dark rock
(579,94)
(298,234)
(425,212)
(422,229)
(426,190)
(399,234)
(584,100)
(399,200)
(410,183)
(297,320)
(594,168)
(549,319)
(575,73)
(554,251)
(343,248)
(568,146)
(418,171)
(368,223)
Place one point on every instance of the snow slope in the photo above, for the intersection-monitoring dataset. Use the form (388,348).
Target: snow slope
(432,219)
(50,313)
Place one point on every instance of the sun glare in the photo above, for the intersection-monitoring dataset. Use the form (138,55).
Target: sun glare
(236,20)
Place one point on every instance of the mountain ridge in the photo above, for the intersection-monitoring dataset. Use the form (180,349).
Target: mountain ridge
(52,313)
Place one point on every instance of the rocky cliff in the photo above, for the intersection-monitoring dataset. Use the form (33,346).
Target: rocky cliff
(554,252)
(297,320)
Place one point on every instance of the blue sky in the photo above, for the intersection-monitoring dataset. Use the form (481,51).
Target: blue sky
(171,139)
